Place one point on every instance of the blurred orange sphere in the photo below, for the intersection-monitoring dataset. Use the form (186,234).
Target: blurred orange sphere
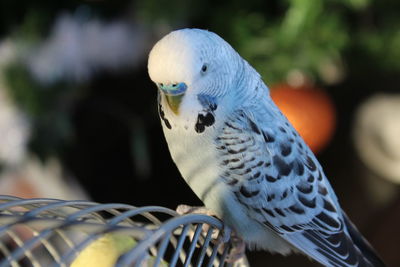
(310,110)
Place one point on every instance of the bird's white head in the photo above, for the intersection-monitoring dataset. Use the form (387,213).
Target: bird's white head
(191,62)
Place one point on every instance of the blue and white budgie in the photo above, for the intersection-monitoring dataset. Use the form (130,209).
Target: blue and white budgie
(242,157)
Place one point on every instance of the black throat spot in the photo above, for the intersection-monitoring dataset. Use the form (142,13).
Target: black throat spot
(162,116)
(204,121)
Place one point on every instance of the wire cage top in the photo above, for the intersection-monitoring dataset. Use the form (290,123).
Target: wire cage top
(52,232)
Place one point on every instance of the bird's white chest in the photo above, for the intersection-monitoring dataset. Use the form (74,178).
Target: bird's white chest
(196,157)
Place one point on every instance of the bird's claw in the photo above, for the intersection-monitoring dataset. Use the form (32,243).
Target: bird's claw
(186,209)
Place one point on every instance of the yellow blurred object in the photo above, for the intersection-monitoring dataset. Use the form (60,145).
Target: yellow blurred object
(310,110)
(105,251)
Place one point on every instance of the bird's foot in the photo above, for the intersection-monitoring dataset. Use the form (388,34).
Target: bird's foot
(238,246)
(186,209)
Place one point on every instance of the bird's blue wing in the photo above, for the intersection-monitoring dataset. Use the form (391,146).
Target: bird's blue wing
(278,180)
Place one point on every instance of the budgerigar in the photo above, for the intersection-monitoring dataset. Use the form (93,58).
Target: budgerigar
(242,157)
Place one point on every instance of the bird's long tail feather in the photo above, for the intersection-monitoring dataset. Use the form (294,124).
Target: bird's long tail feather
(362,244)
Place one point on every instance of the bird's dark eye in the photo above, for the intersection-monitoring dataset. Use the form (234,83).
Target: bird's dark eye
(204,68)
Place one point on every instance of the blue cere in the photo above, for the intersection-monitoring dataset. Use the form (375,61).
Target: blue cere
(173,89)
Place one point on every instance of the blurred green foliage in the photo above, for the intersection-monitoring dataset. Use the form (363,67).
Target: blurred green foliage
(274,36)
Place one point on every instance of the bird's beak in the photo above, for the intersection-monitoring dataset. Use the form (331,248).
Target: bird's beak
(174,94)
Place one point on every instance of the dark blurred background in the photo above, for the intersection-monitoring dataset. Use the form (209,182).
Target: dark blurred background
(78,112)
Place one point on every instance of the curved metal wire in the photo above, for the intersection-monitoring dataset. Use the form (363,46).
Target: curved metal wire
(52,232)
